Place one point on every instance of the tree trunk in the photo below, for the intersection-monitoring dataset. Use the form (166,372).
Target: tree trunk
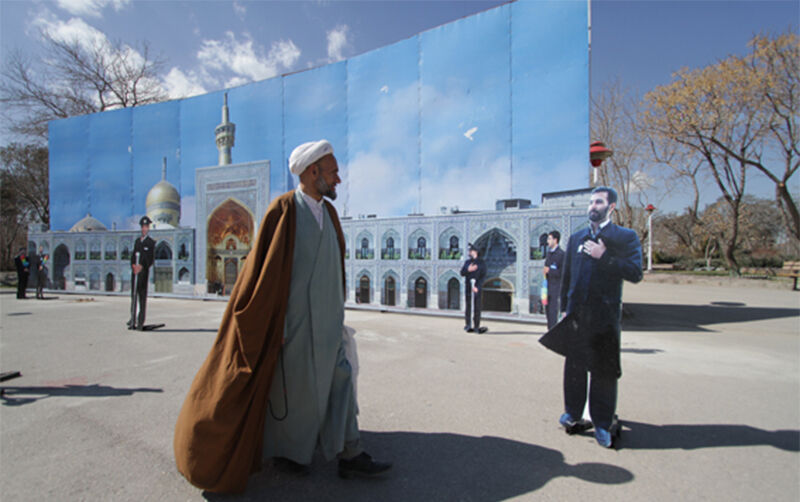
(789,209)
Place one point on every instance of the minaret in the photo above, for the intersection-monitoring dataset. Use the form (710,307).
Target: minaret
(225,133)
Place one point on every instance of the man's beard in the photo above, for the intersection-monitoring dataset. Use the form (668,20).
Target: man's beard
(598,216)
(325,189)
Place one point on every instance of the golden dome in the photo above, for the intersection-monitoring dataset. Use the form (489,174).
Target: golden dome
(163,202)
(88,224)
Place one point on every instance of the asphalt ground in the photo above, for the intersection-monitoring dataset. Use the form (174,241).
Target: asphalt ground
(709,400)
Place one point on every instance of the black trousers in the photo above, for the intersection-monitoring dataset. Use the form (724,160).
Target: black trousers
(468,314)
(22,285)
(40,280)
(138,292)
(602,393)
(553,303)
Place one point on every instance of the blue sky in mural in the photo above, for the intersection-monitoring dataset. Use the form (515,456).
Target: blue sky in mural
(418,125)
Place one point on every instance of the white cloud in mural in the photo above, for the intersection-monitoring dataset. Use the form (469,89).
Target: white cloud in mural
(380,185)
(476,186)
(383,169)
(90,8)
(337,42)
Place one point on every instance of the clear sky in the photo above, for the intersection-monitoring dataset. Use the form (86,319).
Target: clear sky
(643,42)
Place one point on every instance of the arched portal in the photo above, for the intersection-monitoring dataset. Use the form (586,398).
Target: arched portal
(60,263)
(109,282)
(163,251)
(497,295)
(229,239)
(231,274)
(499,250)
(363,290)
(390,288)
(162,271)
(453,294)
(421,293)
(184,277)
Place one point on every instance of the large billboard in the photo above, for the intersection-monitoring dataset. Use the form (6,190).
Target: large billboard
(495,105)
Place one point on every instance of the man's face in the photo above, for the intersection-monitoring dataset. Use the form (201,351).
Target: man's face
(145,228)
(473,253)
(599,207)
(551,242)
(327,176)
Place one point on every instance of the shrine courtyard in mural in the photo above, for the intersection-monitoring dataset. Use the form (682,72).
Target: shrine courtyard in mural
(475,131)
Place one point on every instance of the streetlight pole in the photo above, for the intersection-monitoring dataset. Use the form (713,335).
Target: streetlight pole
(650,208)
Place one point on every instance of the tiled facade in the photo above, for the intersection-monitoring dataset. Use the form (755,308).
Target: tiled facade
(415,261)
(100,260)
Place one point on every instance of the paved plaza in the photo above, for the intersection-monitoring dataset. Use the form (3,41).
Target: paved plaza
(709,398)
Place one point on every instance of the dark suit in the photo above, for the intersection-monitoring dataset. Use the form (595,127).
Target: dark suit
(478,275)
(23,269)
(593,293)
(146,253)
(555,264)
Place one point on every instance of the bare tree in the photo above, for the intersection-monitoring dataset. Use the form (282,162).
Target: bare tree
(614,121)
(15,219)
(75,78)
(25,169)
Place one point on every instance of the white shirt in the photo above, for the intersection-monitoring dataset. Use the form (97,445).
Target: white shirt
(601,227)
(316,206)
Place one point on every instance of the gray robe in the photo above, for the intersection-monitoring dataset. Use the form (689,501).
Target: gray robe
(319,391)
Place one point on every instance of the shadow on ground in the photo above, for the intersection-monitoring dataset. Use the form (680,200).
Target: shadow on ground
(661,317)
(641,436)
(188,330)
(433,466)
(16,396)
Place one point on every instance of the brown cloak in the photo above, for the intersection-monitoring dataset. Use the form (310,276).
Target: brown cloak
(219,433)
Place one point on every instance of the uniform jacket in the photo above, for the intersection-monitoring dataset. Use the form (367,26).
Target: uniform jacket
(555,263)
(146,248)
(592,292)
(479,275)
(23,265)
(220,428)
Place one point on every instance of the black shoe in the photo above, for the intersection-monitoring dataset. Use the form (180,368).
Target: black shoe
(467,329)
(363,466)
(482,330)
(290,466)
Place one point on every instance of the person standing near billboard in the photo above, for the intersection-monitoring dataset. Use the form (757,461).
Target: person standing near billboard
(474,273)
(142,258)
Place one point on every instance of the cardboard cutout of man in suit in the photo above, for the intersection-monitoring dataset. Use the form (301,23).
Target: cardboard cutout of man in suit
(598,259)
(553,265)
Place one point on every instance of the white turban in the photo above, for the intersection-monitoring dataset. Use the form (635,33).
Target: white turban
(308,153)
